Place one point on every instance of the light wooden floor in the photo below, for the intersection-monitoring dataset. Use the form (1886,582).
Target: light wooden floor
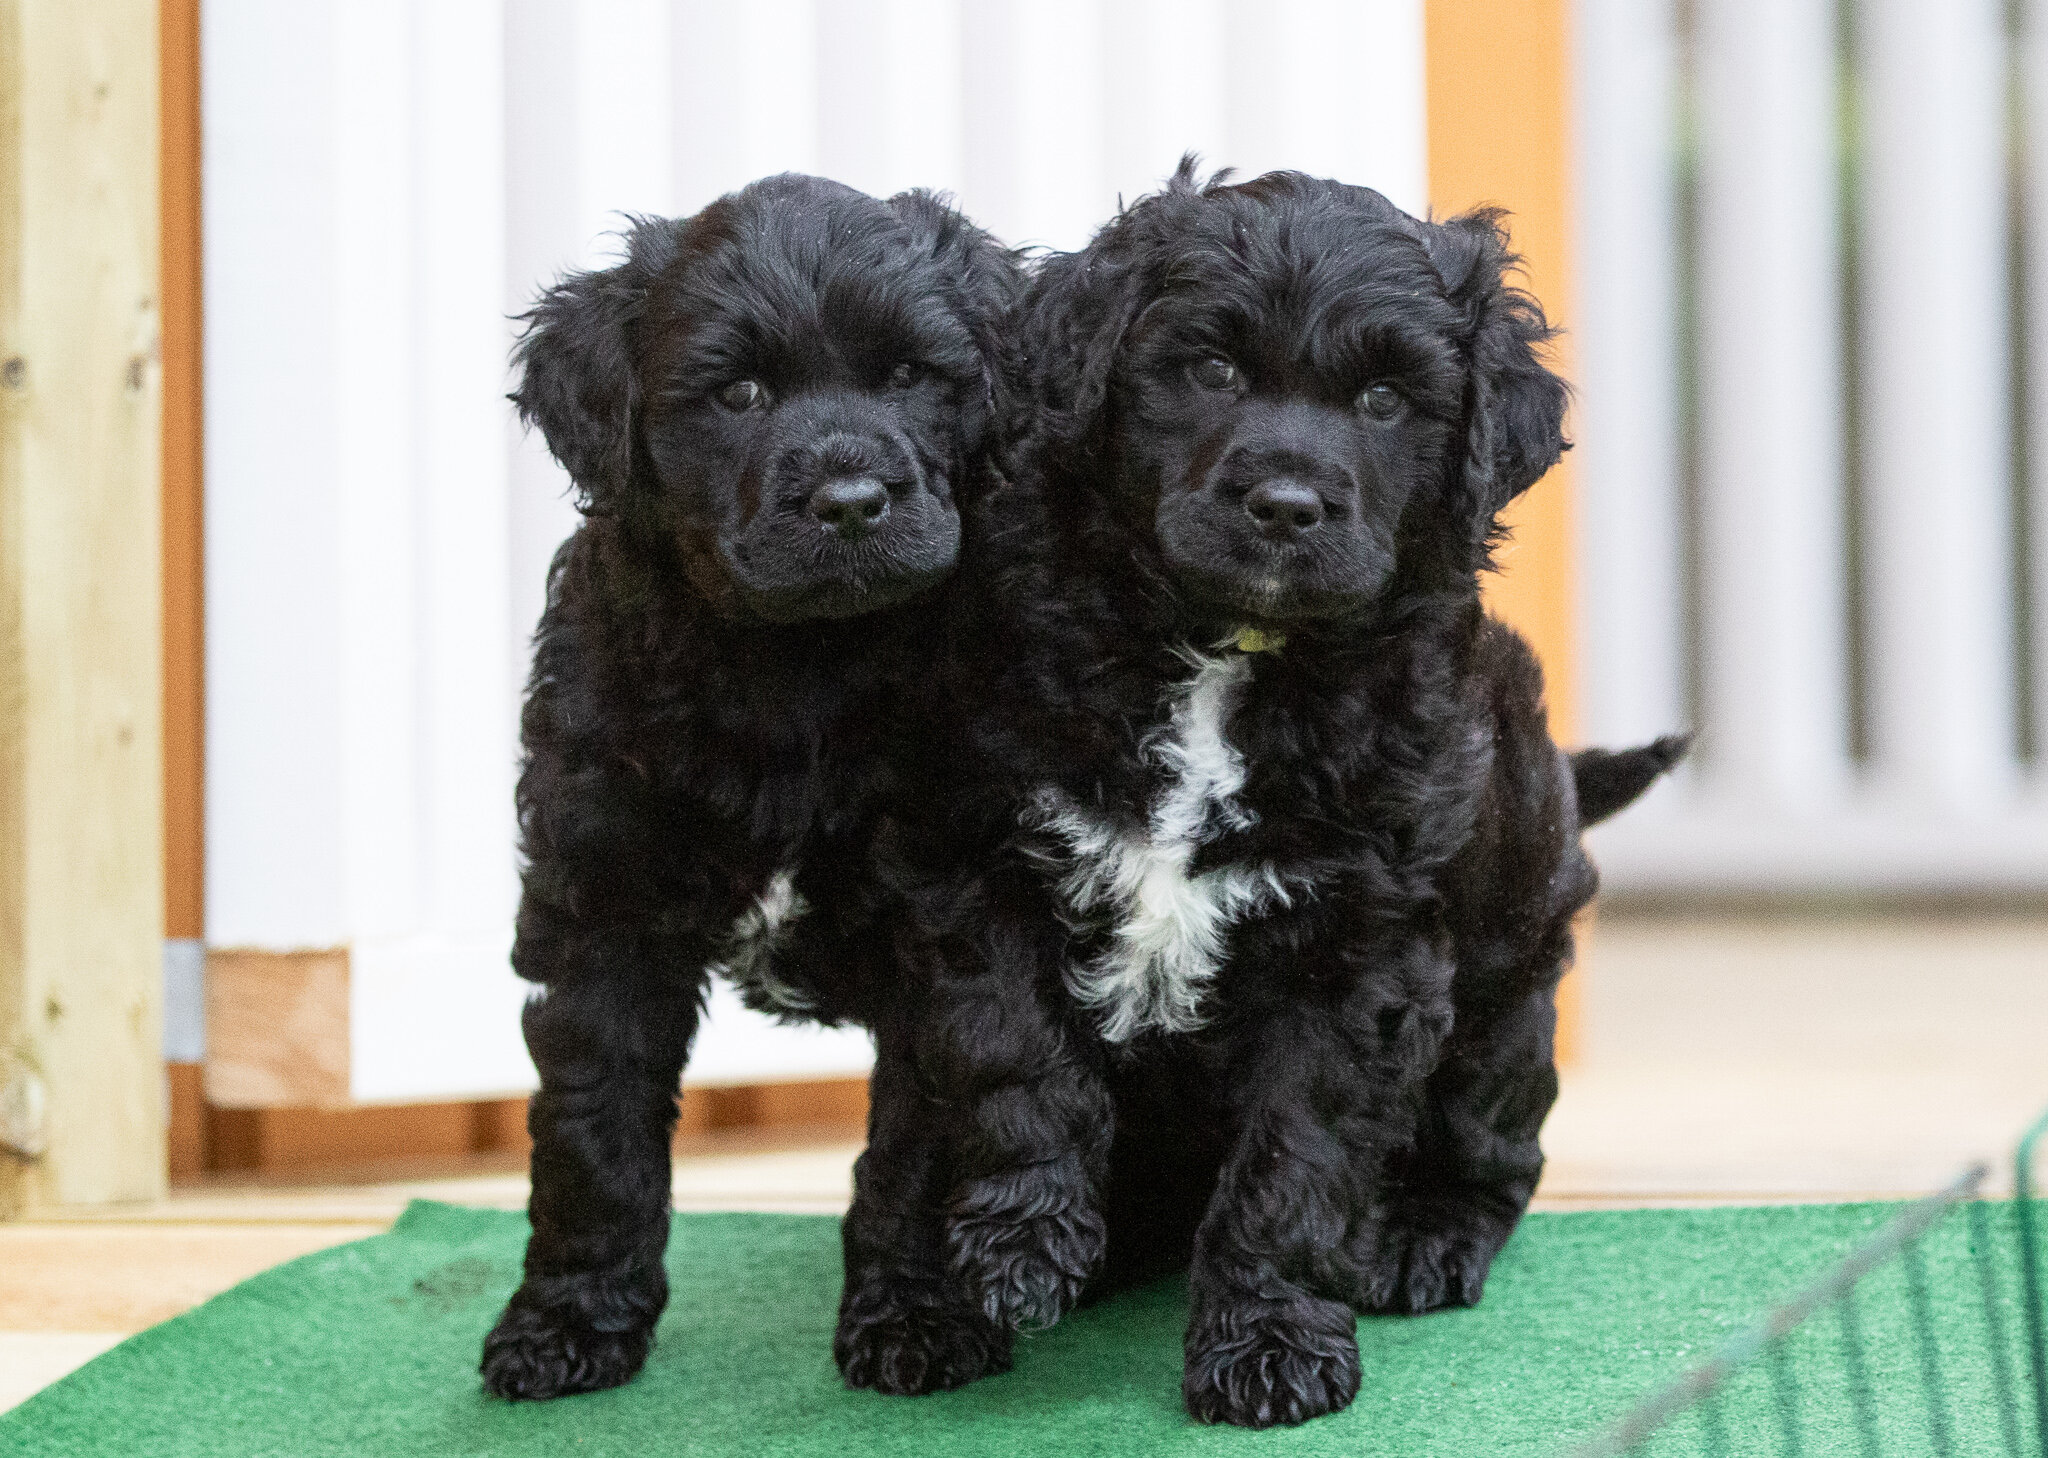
(1721,1061)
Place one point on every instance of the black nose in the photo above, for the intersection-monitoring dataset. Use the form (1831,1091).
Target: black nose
(851,506)
(1284,507)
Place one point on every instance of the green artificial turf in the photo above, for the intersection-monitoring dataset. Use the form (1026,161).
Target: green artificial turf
(370,1349)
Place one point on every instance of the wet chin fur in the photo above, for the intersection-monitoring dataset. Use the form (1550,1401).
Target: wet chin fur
(781,581)
(1260,599)
(833,600)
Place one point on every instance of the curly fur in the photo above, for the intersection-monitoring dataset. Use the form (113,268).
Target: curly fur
(1169,921)
(1312,905)
(1170,953)
(711,729)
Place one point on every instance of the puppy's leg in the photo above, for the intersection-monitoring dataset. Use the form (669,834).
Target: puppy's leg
(906,1325)
(1474,1167)
(1324,1095)
(610,1052)
(1025,1229)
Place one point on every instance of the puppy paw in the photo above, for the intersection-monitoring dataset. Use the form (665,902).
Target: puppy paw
(533,1355)
(1023,1245)
(908,1350)
(1425,1259)
(1262,1366)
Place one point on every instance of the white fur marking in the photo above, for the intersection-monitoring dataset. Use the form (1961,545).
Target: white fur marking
(756,935)
(1169,925)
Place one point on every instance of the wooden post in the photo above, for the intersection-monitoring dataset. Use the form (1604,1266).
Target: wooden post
(183,550)
(1499,132)
(183,531)
(81,810)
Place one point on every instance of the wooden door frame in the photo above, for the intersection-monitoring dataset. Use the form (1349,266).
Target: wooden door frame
(1500,130)
(81,789)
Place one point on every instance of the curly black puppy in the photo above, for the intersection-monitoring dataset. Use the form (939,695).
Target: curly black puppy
(1291,790)
(770,411)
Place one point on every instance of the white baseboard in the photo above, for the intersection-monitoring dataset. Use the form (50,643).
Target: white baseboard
(437,1017)
(184,1000)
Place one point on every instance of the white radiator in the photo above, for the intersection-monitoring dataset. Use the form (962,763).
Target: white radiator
(1802,527)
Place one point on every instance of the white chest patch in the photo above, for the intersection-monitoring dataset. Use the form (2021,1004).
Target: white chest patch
(1167,927)
(757,934)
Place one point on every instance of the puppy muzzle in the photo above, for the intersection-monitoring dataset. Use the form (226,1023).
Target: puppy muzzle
(1272,536)
(845,522)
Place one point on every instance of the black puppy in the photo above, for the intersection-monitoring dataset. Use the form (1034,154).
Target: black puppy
(1290,788)
(768,410)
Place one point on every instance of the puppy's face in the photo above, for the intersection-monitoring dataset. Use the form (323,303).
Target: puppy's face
(807,380)
(1294,378)
(1284,400)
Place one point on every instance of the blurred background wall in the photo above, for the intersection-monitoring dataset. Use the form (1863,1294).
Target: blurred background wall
(387,185)
(1813,346)
(1792,243)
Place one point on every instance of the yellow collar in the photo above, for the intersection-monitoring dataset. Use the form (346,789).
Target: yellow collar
(1258,640)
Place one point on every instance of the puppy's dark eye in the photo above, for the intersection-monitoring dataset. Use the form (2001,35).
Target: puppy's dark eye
(1380,400)
(905,375)
(743,395)
(1215,374)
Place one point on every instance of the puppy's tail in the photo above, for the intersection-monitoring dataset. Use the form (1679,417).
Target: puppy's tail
(1609,780)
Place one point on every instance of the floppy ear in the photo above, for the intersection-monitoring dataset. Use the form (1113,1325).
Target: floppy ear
(1082,308)
(1083,304)
(577,381)
(987,282)
(1514,405)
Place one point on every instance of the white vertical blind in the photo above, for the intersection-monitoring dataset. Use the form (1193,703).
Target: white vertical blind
(1936,404)
(1770,416)
(745,84)
(552,215)
(459,477)
(891,98)
(372,407)
(2032,61)
(1169,68)
(1912,111)
(388,183)
(1331,89)
(1625,416)
(274,862)
(359,704)
(626,121)
(1036,137)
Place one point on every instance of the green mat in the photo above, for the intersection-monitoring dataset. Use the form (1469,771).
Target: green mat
(370,1349)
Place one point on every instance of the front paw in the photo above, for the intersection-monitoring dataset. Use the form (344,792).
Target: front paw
(537,1354)
(1025,1243)
(1261,1364)
(908,1349)
(1425,1258)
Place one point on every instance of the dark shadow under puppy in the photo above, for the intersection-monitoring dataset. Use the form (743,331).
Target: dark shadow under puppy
(1289,788)
(770,411)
